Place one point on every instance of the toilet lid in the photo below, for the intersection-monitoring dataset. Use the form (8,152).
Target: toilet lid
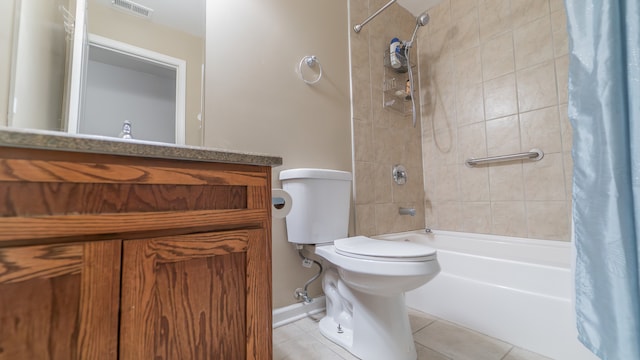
(364,247)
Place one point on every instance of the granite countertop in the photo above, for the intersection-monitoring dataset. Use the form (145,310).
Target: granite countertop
(51,140)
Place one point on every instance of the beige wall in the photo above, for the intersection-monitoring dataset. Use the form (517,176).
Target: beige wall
(493,79)
(39,66)
(256,102)
(6,45)
(119,26)
(382,137)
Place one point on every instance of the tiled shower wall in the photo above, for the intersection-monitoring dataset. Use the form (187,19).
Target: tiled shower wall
(493,81)
(382,138)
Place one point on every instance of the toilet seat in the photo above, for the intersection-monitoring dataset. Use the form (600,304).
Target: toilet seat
(362,247)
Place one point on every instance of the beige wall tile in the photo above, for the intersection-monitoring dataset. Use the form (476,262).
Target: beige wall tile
(361,93)
(494,16)
(498,56)
(485,45)
(565,128)
(385,145)
(442,109)
(556,5)
(469,104)
(364,177)
(506,181)
(412,191)
(468,67)
(568,174)
(440,43)
(559,31)
(533,43)
(500,97)
(548,220)
(466,32)
(445,145)
(525,11)
(363,140)
(544,179)
(446,184)
(365,220)
(361,71)
(537,87)
(449,216)
(509,218)
(503,136)
(471,142)
(540,129)
(382,183)
(443,75)
(562,75)
(440,16)
(386,217)
(474,183)
(430,218)
(476,217)
(459,8)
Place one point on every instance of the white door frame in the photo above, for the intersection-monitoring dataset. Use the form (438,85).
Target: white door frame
(179,65)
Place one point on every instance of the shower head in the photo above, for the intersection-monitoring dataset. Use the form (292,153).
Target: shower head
(421,20)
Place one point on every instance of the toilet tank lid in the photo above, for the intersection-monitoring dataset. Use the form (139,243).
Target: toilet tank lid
(308,173)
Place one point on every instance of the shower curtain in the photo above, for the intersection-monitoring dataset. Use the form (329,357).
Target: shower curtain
(604,108)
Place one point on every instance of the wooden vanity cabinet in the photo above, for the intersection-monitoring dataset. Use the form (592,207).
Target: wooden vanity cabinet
(107,257)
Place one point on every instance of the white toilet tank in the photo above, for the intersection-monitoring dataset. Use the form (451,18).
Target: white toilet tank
(320,204)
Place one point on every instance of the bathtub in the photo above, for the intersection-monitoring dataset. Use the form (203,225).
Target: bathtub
(513,289)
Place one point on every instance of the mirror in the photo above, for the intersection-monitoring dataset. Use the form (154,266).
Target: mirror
(87,71)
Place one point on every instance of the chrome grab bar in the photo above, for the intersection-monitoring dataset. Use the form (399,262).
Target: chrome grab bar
(533,154)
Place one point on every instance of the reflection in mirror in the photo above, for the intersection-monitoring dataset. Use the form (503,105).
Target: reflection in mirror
(41,71)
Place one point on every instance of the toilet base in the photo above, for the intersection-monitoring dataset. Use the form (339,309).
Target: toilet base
(371,327)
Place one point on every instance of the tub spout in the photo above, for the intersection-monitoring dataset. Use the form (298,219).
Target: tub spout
(407,211)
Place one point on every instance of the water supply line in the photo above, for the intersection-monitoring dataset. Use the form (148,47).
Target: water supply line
(306,262)
(358,27)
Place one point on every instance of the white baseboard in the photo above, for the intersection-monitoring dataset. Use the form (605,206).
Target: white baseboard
(291,313)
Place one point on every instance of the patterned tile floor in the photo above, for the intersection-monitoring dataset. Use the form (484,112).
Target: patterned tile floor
(435,340)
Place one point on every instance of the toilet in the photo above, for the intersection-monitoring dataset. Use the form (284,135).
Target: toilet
(365,279)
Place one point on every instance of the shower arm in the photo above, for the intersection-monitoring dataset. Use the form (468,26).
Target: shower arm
(358,27)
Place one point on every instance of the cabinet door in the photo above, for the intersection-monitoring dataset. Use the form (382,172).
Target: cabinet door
(60,301)
(185,297)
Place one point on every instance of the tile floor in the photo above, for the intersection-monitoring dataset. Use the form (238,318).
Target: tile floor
(435,340)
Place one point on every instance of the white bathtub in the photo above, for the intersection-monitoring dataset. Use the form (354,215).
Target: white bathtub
(514,289)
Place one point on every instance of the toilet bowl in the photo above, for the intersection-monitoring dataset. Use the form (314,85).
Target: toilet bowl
(366,311)
(365,279)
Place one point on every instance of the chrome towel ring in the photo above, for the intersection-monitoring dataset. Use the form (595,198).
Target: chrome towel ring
(311,61)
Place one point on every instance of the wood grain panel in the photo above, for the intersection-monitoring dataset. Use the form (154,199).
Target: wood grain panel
(30,262)
(135,173)
(65,313)
(192,246)
(38,318)
(259,197)
(39,199)
(259,316)
(188,308)
(100,301)
(82,225)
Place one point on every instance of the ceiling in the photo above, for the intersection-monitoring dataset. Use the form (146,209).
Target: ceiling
(186,15)
(416,7)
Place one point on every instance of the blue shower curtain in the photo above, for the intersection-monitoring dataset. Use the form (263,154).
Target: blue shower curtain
(604,108)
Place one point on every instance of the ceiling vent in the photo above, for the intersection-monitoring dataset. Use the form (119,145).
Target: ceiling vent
(132,8)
